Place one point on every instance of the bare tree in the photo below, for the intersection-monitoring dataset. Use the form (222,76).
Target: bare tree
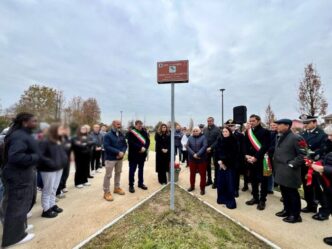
(269,115)
(311,94)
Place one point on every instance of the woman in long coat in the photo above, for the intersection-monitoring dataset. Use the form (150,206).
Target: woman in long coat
(21,156)
(82,145)
(163,145)
(226,154)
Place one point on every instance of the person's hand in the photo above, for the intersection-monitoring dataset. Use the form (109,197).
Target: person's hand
(253,159)
(98,148)
(223,167)
(195,156)
(208,150)
(247,157)
(143,149)
(121,154)
(164,150)
(317,168)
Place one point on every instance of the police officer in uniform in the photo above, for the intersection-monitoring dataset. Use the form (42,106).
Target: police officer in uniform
(315,138)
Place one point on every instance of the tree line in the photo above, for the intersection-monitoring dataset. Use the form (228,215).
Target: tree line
(49,105)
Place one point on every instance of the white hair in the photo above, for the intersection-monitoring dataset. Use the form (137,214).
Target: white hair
(197,128)
(328,130)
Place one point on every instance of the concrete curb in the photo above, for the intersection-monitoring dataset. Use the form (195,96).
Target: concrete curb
(257,235)
(84,242)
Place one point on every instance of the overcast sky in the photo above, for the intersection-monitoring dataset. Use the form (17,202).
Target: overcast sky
(256,50)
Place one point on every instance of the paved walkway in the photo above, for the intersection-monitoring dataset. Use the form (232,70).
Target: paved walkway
(85,212)
(308,234)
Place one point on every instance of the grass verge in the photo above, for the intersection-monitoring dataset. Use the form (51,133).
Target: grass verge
(192,225)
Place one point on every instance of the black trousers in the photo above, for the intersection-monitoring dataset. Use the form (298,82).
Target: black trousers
(95,160)
(82,163)
(258,180)
(292,200)
(18,199)
(309,194)
(210,158)
(321,195)
(103,158)
(241,169)
(185,156)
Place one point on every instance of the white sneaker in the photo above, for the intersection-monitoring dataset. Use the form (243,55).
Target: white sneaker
(29,227)
(99,171)
(65,190)
(29,215)
(87,184)
(93,172)
(61,195)
(79,186)
(27,238)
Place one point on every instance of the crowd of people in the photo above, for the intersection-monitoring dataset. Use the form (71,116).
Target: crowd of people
(265,158)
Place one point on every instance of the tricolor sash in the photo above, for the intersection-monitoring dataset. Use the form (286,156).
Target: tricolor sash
(267,167)
(139,136)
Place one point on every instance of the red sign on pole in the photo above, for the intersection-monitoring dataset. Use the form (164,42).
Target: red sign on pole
(173,72)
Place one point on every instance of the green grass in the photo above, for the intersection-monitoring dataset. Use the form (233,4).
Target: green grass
(192,225)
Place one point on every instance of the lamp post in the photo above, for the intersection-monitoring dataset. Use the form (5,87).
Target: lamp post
(222,105)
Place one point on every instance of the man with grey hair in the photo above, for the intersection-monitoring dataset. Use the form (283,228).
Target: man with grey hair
(115,146)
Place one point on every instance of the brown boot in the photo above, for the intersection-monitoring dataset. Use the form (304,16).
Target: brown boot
(108,196)
(119,191)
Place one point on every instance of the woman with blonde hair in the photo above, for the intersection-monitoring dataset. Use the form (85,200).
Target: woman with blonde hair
(163,146)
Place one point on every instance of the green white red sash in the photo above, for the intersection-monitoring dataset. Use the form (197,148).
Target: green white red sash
(138,136)
(267,167)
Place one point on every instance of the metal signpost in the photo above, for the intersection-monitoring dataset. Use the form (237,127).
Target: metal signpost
(171,72)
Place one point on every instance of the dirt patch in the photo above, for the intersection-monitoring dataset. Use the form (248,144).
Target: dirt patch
(192,225)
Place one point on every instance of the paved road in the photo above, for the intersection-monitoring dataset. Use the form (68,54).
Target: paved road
(85,212)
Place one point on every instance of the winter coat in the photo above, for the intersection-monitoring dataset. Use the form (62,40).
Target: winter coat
(114,144)
(212,134)
(163,141)
(197,145)
(177,138)
(287,160)
(53,156)
(227,151)
(135,145)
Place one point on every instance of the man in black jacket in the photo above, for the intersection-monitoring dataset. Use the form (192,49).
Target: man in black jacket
(139,142)
(315,138)
(211,133)
(257,143)
(287,161)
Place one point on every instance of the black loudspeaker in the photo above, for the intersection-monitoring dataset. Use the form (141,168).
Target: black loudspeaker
(240,114)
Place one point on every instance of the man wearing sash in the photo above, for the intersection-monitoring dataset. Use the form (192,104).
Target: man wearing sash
(257,143)
(139,142)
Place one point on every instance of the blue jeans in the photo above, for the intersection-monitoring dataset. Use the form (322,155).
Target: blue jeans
(132,170)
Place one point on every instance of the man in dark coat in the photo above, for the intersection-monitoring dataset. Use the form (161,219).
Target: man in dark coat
(21,157)
(139,142)
(287,161)
(211,132)
(315,138)
(257,143)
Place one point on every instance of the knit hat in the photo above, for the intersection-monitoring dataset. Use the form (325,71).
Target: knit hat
(328,130)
